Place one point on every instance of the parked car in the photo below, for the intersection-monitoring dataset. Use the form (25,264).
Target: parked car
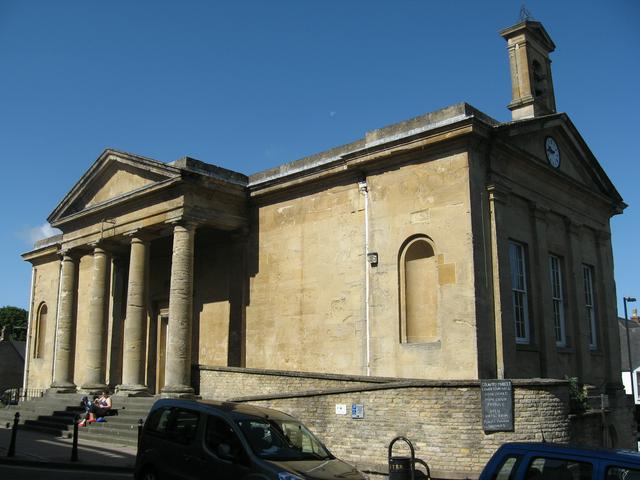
(190,439)
(533,461)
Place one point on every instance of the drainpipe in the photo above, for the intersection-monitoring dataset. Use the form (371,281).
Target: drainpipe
(362,186)
(27,348)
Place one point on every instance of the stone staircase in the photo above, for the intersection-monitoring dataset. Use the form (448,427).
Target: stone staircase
(56,413)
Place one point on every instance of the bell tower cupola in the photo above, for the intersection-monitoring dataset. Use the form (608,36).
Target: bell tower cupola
(529,46)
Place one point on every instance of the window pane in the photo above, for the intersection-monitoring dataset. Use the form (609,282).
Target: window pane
(558,469)
(159,420)
(519,292)
(619,473)
(557,299)
(183,425)
(221,439)
(508,469)
(589,306)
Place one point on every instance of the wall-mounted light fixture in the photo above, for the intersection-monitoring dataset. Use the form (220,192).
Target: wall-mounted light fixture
(372,258)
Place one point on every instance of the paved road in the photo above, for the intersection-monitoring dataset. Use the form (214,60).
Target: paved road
(16,472)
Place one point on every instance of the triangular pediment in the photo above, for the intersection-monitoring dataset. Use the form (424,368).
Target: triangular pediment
(113,178)
(537,138)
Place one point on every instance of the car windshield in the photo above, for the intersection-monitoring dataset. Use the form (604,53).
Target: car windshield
(282,440)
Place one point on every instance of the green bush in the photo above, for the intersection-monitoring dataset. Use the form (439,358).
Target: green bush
(578,402)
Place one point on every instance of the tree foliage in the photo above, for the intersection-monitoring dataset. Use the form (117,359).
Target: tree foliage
(15,321)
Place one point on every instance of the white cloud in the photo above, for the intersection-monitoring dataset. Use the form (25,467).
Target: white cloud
(33,234)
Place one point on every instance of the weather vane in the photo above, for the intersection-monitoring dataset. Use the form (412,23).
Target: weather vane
(525,15)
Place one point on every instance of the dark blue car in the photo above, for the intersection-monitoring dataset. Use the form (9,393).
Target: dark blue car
(533,461)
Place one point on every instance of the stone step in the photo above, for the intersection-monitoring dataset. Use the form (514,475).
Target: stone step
(59,432)
(45,425)
(56,414)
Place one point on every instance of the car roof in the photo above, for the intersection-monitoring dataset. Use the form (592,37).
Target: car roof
(574,450)
(230,409)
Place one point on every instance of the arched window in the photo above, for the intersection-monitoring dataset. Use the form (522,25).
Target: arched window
(40,332)
(538,79)
(418,292)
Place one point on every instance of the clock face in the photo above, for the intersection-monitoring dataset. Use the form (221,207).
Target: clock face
(553,152)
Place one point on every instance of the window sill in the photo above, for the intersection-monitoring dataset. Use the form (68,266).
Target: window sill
(527,347)
(565,350)
(423,345)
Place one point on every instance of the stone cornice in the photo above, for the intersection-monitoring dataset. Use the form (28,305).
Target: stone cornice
(373,157)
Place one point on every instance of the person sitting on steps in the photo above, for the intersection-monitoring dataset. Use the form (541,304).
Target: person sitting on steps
(97,410)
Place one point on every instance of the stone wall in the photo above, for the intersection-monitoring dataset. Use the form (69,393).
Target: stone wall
(443,419)
(613,427)
(224,383)
(11,366)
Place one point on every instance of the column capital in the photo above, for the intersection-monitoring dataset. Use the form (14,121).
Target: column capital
(573,227)
(498,193)
(538,211)
(138,235)
(602,237)
(184,222)
(68,254)
(98,247)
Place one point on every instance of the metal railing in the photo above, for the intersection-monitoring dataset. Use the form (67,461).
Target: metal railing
(13,396)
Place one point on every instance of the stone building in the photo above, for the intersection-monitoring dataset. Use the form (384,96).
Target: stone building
(630,351)
(11,363)
(449,246)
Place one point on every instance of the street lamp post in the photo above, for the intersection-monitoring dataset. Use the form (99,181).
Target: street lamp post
(626,324)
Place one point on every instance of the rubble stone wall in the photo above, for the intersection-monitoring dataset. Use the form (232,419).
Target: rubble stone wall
(443,419)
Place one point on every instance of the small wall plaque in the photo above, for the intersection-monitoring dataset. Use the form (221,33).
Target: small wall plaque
(357,411)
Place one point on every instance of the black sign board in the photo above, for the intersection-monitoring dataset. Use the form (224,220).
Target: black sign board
(497,405)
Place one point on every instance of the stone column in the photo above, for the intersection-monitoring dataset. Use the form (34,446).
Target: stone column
(178,363)
(135,323)
(94,347)
(63,371)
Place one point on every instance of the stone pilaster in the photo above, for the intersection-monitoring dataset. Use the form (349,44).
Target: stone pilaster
(63,366)
(542,316)
(178,362)
(135,323)
(606,312)
(94,347)
(503,318)
(575,296)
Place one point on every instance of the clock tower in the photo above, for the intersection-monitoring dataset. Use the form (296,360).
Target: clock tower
(529,47)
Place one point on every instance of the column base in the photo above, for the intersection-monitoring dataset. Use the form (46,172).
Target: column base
(132,391)
(63,387)
(177,391)
(94,388)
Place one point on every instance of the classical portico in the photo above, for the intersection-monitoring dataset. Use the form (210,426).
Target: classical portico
(136,339)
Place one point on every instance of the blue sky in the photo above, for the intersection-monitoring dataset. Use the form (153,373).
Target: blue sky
(249,85)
